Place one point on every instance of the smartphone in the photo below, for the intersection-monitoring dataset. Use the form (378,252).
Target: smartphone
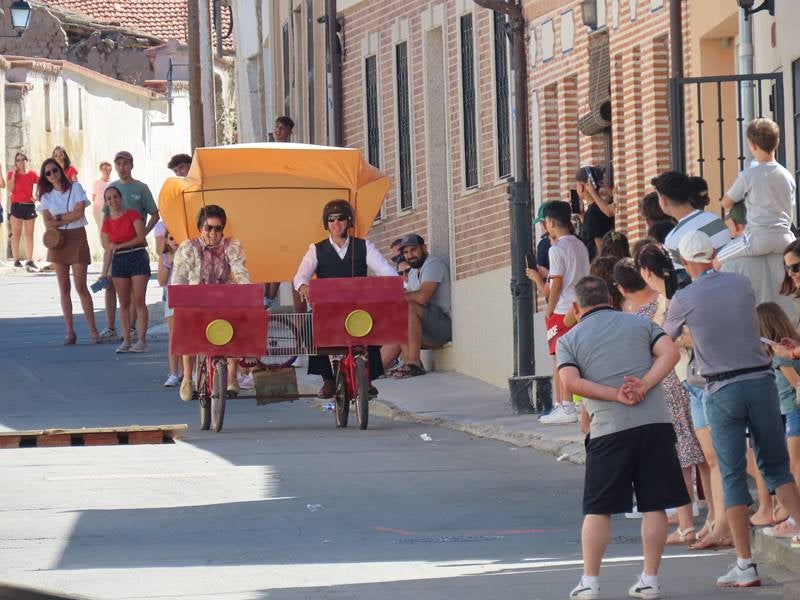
(100,284)
(769,342)
(530,260)
(575,202)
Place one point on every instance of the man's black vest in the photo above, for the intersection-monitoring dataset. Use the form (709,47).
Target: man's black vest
(330,265)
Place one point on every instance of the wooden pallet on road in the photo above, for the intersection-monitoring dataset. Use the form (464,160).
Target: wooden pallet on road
(92,436)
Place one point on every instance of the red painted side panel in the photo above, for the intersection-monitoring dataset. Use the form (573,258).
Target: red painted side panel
(382,297)
(248,295)
(249,329)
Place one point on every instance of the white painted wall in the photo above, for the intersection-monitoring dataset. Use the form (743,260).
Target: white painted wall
(113,119)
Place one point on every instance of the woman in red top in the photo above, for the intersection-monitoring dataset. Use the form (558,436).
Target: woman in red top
(23,211)
(62,158)
(127,261)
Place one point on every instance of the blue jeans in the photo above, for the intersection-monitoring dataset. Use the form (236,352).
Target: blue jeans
(752,403)
(698,405)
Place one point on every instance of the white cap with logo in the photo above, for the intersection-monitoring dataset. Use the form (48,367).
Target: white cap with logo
(696,247)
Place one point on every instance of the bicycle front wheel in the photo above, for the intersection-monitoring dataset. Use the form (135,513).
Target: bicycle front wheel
(218,393)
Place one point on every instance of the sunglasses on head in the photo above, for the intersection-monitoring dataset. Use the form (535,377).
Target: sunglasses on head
(50,172)
(795,268)
(403,271)
(334,218)
(214,228)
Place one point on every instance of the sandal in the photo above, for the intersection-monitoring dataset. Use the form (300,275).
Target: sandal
(327,390)
(69,340)
(682,536)
(409,370)
(711,542)
(96,339)
(707,528)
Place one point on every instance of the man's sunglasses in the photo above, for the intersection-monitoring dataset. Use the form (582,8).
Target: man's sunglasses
(214,228)
(795,268)
(50,172)
(334,218)
(403,271)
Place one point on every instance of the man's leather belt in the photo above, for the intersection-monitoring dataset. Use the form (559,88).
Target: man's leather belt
(725,375)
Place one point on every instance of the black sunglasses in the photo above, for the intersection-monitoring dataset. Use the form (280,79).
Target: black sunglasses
(795,268)
(214,228)
(340,218)
(52,172)
(404,271)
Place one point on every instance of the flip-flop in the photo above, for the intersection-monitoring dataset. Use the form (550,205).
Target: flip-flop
(409,370)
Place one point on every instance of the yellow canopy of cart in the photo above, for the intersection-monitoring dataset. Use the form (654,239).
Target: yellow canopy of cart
(273,195)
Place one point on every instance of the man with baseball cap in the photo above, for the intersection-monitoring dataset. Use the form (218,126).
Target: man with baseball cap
(429,322)
(720,311)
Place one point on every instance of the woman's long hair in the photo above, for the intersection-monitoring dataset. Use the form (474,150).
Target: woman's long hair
(787,286)
(774,323)
(603,267)
(656,259)
(44,185)
(67,161)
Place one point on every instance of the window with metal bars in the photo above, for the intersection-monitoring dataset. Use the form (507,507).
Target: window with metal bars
(501,96)
(468,102)
(403,127)
(287,94)
(373,123)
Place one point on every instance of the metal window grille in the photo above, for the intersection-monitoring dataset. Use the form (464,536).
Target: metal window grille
(403,127)
(796,113)
(310,58)
(373,126)
(501,96)
(287,94)
(468,103)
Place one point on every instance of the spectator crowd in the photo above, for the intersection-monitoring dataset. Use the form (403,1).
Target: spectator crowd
(678,356)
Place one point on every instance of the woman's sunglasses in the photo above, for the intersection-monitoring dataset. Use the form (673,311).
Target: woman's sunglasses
(214,228)
(795,268)
(403,271)
(50,172)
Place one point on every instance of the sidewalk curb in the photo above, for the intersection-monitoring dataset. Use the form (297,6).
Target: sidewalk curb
(573,452)
(777,550)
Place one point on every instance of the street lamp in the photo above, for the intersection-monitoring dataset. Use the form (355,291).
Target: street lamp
(20,17)
(747,7)
(589,13)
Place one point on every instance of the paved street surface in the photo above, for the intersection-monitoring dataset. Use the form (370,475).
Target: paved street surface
(280,504)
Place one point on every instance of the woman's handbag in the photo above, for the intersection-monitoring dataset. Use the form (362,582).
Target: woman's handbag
(53,237)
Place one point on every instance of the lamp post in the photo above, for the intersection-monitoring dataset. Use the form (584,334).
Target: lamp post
(589,13)
(20,17)
(747,7)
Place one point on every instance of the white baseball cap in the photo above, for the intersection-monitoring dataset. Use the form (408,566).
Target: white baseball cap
(696,247)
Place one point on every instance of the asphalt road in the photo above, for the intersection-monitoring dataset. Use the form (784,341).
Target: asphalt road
(280,504)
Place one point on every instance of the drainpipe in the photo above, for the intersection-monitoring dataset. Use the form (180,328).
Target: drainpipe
(676,112)
(746,68)
(195,93)
(207,75)
(520,214)
(335,137)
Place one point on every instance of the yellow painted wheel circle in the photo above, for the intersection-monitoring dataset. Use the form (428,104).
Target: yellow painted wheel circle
(219,332)
(358,323)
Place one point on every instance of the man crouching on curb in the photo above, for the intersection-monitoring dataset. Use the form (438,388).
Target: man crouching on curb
(616,362)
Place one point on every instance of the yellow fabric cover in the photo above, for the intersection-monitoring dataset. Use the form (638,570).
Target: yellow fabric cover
(273,195)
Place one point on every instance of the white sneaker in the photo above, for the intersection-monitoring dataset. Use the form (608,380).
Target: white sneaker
(108,335)
(640,590)
(123,347)
(585,591)
(172,380)
(560,415)
(139,347)
(246,382)
(736,577)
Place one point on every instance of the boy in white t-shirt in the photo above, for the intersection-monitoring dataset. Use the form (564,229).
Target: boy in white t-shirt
(569,262)
(767,190)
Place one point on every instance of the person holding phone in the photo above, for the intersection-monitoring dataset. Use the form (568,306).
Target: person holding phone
(598,217)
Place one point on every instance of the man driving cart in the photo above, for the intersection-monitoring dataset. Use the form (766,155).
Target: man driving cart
(340,255)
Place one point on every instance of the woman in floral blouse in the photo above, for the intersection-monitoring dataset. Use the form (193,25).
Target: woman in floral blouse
(210,259)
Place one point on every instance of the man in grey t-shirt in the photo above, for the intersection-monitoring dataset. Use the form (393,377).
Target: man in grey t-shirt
(720,311)
(429,321)
(616,362)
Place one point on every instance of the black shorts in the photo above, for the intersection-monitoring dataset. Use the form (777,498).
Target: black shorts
(23,210)
(130,264)
(641,460)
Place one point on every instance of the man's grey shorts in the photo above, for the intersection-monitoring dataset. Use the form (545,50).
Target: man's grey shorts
(437,329)
(751,403)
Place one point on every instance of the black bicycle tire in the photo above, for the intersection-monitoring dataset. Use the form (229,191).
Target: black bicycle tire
(362,392)
(341,399)
(203,399)
(218,393)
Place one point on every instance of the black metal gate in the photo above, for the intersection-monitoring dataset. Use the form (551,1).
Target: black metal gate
(767,94)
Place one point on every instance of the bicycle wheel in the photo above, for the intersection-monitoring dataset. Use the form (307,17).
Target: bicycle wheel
(218,393)
(362,392)
(341,398)
(203,396)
